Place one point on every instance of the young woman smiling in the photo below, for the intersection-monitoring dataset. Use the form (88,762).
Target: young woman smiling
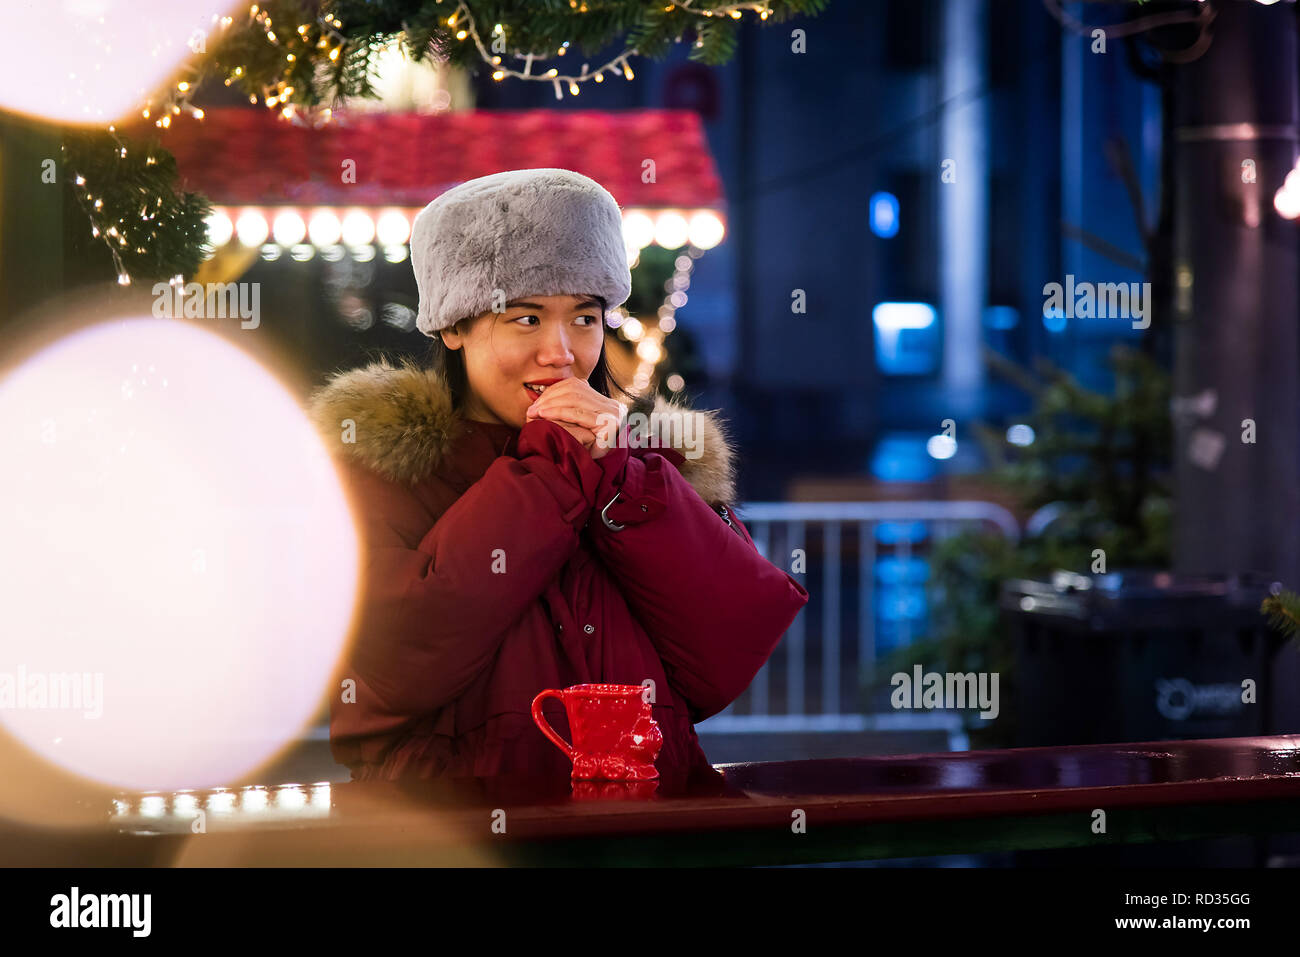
(534,360)
(516,535)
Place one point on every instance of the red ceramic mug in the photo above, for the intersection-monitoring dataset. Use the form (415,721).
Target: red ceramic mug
(615,735)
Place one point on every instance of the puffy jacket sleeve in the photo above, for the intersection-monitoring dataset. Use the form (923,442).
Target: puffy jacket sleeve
(713,606)
(435,611)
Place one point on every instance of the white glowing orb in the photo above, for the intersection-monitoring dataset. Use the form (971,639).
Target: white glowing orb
(649,350)
(95,61)
(638,230)
(324,228)
(220,228)
(289,229)
(358,228)
(393,228)
(705,231)
(941,446)
(251,228)
(1287,202)
(177,546)
(671,229)
(1020,434)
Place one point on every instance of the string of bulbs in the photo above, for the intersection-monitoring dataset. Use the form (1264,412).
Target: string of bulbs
(177,97)
(464,19)
(100,228)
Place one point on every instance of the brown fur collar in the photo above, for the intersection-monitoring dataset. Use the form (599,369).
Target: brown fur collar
(405,424)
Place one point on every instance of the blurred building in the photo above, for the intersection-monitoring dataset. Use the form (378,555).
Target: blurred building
(834,164)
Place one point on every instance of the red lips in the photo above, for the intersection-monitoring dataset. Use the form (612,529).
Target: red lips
(533,396)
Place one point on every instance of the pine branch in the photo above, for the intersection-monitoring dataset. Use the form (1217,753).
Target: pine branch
(1012,372)
(1103,457)
(1283,611)
(717,41)
(131,207)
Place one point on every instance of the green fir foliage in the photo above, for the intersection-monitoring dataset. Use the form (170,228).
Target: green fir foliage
(160,230)
(1104,460)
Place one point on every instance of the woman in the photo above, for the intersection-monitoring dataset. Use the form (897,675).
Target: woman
(513,540)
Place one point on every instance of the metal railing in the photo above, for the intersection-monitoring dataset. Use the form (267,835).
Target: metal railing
(780,531)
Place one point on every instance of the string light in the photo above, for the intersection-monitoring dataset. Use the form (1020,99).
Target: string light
(648,341)
(468,29)
(276,96)
(465,19)
(104,231)
(732,10)
(175,98)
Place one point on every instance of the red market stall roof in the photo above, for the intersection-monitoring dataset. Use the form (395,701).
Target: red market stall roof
(253,157)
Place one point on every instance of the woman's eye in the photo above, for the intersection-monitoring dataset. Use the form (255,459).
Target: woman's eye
(591,320)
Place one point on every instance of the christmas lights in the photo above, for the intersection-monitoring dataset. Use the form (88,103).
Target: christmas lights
(464,18)
(292,66)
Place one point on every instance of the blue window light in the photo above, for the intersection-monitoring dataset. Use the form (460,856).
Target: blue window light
(884,215)
(907,337)
(902,458)
(1001,317)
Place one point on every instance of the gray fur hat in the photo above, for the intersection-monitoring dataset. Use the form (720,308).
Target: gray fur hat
(538,232)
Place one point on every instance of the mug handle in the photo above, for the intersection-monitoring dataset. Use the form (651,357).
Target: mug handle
(545,726)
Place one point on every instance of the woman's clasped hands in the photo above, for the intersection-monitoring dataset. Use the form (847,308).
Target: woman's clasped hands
(591,418)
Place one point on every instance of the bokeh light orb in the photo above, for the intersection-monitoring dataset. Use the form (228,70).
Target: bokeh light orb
(220,228)
(358,228)
(95,61)
(638,229)
(671,229)
(705,231)
(324,228)
(941,446)
(289,228)
(251,228)
(179,565)
(393,228)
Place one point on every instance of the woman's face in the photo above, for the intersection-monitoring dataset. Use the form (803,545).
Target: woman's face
(537,340)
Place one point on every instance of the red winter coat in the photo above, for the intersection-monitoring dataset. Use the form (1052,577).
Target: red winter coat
(447,652)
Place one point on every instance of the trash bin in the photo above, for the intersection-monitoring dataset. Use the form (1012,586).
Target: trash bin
(1146,656)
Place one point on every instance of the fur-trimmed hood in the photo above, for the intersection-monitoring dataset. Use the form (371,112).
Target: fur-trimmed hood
(403,426)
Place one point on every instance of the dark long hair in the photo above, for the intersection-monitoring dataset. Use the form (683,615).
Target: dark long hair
(451,364)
